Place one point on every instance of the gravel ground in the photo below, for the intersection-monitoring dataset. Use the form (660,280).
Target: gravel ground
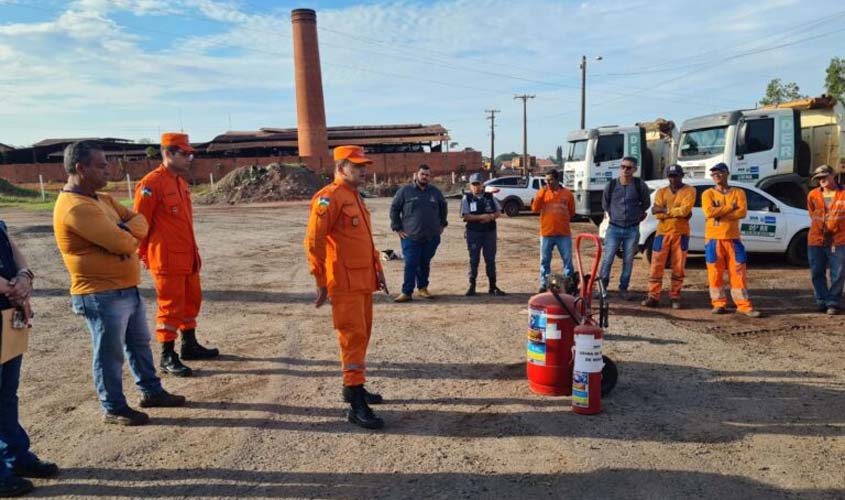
(706,407)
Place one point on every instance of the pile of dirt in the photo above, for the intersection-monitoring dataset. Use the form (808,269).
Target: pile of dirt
(9,189)
(274,182)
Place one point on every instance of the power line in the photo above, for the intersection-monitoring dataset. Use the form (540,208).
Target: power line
(492,118)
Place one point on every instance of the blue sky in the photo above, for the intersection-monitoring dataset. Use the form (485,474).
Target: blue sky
(135,68)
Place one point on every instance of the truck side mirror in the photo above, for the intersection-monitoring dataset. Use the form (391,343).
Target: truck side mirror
(740,138)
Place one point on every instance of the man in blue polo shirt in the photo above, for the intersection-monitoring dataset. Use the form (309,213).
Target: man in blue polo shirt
(625,201)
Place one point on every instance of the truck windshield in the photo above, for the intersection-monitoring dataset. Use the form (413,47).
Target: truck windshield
(703,142)
(577,151)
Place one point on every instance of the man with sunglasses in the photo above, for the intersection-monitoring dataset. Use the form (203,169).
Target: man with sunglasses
(724,206)
(625,202)
(170,253)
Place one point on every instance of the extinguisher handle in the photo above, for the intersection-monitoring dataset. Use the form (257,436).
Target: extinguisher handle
(587,289)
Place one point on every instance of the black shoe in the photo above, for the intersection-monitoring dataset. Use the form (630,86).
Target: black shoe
(14,486)
(470,290)
(127,417)
(171,364)
(191,349)
(494,290)
(371,398)
(360,413)
(39,469)
(161,400)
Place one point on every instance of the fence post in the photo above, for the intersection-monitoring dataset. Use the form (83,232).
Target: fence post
(453,178)
(129,187)
(43,193)
(211,178)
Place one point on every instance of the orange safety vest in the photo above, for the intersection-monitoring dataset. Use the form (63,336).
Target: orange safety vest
(164,199)
(832,219)
(339,241)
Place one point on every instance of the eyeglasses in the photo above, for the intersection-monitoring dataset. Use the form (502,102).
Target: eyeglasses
(188,156)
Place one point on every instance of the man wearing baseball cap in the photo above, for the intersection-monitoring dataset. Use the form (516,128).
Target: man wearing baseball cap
(556,206)
(171,254)
(480,210)
(724,206)
(347,269)
(673,208)
(826,239)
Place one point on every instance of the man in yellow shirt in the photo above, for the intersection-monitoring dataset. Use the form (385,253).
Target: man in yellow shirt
(673,209)
(98,239)
(724,206)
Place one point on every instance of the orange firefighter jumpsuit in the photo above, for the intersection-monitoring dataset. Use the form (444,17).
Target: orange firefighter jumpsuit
(170,250)
(343,258)
(672,238)
(723,249)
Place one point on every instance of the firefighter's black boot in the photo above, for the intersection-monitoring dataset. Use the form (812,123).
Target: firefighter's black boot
(191,349)
(170,362)
(359,413)
(371,398)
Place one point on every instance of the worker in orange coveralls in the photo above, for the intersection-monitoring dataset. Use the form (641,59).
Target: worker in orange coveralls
(724,207)
(170,253)
(673,209)
(347,269)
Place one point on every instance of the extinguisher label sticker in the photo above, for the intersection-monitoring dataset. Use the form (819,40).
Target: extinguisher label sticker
(552,331)
(537,320)
(588,354)
(581,389)
(537,353)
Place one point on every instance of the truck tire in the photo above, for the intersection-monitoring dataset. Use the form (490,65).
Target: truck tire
(796,252)
(649,248)
(511,208)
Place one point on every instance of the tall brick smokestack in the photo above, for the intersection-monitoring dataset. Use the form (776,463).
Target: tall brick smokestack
(310,109)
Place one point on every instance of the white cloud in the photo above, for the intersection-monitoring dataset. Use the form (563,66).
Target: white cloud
(401,61)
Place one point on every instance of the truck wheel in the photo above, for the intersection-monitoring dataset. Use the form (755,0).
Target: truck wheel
(649,248)
(796,252)
(511,208)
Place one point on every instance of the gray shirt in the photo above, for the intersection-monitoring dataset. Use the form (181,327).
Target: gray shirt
(626,205)
(421,213)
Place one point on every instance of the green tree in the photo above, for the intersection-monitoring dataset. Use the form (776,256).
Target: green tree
(777,92)
(559,156)
(834,82)
(506,157)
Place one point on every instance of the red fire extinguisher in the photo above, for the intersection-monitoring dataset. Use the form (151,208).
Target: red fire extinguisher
(587,355)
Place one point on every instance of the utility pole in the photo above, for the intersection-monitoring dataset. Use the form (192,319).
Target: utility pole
(584,89)
(524,98)
(492,119)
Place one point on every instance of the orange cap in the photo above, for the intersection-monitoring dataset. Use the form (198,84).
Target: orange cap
(169,139)
(355,154)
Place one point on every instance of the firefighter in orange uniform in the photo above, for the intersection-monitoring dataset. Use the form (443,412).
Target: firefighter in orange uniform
(724,207)
(170,253)
(347,269)
(673,209)
(826,239)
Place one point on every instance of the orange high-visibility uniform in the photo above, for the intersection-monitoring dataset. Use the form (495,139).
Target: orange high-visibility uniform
(824,219)
(672,238)
(170,250)
(343,259)
(556,209)
(723,248)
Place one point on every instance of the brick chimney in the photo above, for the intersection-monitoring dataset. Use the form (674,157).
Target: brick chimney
(310,109)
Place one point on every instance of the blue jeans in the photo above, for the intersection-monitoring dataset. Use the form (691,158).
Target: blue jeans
(118,322)
(822,258)
(14,442)
(628,238)
(564,248)
(417,256)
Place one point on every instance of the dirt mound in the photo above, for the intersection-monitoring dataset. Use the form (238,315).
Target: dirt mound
(272,182)
(9,189)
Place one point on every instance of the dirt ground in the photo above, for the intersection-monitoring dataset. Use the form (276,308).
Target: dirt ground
(706,407)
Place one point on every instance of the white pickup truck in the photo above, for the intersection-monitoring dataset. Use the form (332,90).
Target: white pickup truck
(514,193)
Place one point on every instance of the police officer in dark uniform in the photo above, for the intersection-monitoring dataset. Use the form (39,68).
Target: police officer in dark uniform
(480,211)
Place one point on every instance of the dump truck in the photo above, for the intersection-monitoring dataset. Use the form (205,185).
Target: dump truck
(774,148)
(594,157)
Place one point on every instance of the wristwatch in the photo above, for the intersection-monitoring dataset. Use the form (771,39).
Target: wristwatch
(26,272)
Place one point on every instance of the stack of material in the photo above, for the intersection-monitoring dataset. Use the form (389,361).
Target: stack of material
(274,182)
